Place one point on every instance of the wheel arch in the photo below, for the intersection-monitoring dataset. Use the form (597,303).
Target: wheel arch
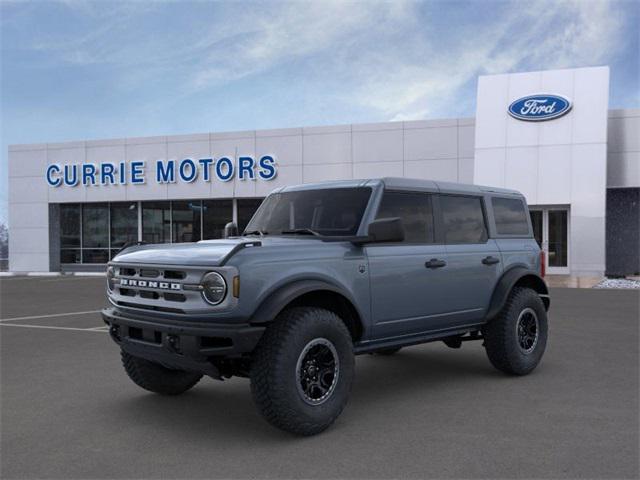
(312,293)
(516,277)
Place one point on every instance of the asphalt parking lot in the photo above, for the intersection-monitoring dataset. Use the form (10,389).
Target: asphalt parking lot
(69,411)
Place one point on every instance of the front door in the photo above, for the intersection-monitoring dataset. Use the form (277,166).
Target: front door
(407,277)
(551,231)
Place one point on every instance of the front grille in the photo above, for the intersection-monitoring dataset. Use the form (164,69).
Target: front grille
(154,288)
(153,276)
(164,289)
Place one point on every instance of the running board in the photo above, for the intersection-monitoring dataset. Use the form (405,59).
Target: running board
(415,339)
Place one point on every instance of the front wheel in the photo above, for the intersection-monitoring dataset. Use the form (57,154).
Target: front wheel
(302,370)
(516,339)
(156,378)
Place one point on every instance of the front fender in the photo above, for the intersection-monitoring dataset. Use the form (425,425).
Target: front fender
(511,278)
(281,296)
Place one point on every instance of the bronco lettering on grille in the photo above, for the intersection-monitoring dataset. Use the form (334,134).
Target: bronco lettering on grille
(130,282)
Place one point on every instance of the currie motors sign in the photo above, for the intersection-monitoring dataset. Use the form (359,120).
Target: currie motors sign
(187,170)
(540,107)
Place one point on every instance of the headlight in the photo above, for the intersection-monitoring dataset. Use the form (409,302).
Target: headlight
(111,273)
(214,288)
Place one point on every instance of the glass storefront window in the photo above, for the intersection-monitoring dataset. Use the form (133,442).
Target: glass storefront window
(95,232)
(217,213)
(95,225)
(124,224)
(69,226)
(558,238)
(95,255)
(186,221)
(246,208)
(70,255)
(156,222)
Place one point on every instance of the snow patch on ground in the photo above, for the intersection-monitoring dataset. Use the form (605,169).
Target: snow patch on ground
(618,283)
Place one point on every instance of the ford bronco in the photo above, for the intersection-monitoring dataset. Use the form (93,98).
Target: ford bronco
(325,272)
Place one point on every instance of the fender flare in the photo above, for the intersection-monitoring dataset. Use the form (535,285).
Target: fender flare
(509,280)
(277,300)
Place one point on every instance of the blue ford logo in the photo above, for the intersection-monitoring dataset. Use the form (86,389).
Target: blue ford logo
(536,108)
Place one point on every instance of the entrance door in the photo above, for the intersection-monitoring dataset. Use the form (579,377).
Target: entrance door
(551,231)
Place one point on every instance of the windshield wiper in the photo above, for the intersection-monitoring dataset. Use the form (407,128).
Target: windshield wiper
(301,231)
(255,232)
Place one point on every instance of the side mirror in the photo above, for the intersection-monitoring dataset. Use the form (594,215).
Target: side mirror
(386,230)
(230,230)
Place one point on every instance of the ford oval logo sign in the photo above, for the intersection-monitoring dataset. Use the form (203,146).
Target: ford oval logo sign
(536,108)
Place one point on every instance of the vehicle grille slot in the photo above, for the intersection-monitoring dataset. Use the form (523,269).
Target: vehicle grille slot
(174,274)
(127,271)
(149,273)
(155,308)
(215,342)
(149,294)
(127,292)
(174,297)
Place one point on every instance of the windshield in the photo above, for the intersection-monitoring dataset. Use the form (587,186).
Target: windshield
(327,212)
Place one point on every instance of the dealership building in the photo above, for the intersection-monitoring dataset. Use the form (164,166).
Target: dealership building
(549,134)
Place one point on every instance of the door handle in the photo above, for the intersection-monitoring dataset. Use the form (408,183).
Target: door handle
(435,263)
(490,260)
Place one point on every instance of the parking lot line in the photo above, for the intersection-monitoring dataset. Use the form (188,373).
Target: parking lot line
(51,327)
(35,317)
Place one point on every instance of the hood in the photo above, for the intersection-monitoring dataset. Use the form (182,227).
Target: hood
(210,253)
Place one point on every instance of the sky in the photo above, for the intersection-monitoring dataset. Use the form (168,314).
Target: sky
(73,70)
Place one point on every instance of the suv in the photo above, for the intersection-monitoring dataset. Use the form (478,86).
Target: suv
(325,272)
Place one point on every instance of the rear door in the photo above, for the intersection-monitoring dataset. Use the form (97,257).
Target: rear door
(474,263)
(406,277)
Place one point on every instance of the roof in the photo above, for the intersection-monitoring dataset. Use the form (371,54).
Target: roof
(402,183)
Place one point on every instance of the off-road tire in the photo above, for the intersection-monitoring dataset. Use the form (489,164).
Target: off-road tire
(156,378)
(385,352)
(275,376)
(501,338)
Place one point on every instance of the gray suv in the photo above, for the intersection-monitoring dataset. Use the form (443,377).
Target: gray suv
(325,272)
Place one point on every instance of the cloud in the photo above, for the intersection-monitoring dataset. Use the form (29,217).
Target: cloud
(295,31)
(401,60)
(535,35)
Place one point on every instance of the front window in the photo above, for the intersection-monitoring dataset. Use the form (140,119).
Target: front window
(327,212)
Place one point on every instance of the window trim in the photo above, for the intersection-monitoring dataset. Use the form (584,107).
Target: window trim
(483,208)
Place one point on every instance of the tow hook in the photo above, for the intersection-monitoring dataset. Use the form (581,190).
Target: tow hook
(173,342)
(114,331)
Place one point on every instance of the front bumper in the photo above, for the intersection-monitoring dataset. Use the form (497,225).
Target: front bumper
(180,344)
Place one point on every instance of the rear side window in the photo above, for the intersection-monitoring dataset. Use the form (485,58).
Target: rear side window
(415,211)
(510,215)
(463,219)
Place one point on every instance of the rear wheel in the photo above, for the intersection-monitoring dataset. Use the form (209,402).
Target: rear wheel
(516,339)
(156,378)
(302,370)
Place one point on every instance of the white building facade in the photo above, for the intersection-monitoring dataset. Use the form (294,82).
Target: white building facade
(548,134)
